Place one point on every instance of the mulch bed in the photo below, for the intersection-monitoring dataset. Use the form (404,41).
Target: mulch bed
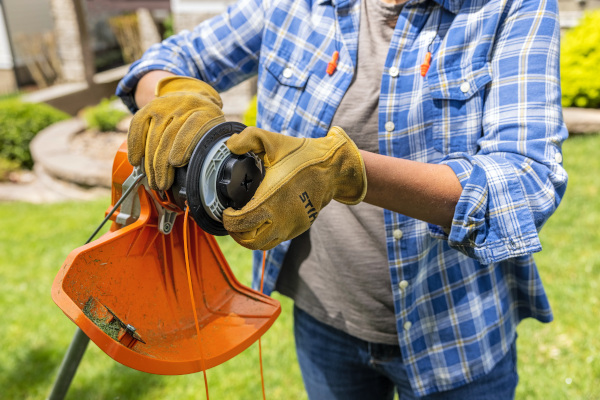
(98,145)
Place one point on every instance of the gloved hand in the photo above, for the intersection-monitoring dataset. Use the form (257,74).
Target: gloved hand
(302,176)
(166,130)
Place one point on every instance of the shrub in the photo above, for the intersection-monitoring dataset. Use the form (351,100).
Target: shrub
(168,27)
(580,57)
(249,117)
(104,116)
(19,123)
(6,167)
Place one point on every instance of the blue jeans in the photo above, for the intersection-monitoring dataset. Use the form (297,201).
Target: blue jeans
(336,365)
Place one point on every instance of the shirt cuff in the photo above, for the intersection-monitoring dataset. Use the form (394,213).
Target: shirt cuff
(492,221)
(127,85)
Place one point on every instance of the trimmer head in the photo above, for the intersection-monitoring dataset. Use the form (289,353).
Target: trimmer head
(128,290)
(216,179)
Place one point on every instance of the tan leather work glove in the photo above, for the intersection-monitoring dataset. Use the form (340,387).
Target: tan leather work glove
(302,176)
(166,130)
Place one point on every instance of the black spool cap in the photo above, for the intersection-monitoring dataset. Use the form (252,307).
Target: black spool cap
(238,178)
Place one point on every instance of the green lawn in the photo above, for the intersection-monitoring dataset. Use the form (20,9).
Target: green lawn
(560,360)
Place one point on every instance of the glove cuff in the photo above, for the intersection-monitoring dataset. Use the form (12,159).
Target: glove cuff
(352,188)
(173,84)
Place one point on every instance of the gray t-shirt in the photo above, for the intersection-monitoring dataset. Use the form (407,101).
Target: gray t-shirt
(338,271)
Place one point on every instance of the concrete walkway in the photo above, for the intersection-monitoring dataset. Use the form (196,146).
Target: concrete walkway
(61,175)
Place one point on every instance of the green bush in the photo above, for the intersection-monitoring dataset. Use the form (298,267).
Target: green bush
(580,57)
(167,24)
(103,116)
(19,123)
(6,167)
(249,117)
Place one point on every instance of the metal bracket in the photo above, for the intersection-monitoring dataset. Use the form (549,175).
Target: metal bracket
(130,208)
(166,217)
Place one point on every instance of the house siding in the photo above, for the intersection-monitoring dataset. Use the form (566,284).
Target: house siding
(26,17)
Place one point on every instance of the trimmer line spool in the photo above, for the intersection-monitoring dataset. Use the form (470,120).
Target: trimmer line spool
(216,179)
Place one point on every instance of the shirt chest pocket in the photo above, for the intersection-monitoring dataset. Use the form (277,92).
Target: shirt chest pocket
(282,80)
(458,97)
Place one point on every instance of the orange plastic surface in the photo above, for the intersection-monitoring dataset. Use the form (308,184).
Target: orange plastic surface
(136,276)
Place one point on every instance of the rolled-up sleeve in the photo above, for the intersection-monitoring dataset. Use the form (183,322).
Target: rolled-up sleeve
(222,51)
(515,181)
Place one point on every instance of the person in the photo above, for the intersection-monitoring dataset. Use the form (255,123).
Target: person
(436,128)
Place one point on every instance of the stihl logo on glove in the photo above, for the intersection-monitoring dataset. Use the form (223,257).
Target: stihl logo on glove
(312,212)
(329,168)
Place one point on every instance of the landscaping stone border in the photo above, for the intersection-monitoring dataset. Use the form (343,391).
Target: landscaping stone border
(50,151)
(582,121)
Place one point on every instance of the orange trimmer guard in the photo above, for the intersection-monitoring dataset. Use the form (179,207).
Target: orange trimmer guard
(128,291)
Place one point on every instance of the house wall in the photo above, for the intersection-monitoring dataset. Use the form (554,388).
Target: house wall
(189,13)
(71,48)
(7,76)
(570,11)
(26,17)
(6,60)
(122,6)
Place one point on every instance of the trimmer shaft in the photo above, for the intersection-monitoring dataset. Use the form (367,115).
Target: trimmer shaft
(216,179)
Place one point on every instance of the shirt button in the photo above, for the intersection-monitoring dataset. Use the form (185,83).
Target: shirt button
(407,325)
(398,234)
(464,87)
(558,158)
(403,285)
(394,72)
(287,73)
(389,126)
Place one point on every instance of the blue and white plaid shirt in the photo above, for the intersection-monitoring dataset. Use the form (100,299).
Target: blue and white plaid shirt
(489,107)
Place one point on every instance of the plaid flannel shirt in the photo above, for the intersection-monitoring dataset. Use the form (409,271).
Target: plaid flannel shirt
(489,107)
